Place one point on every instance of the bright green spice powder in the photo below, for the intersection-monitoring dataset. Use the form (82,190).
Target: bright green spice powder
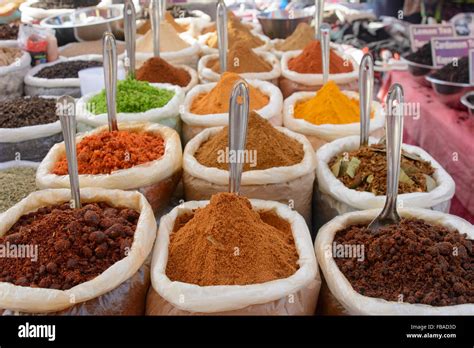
(132,96)
(15,184)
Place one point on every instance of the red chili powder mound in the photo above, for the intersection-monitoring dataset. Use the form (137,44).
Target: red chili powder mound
(229,243)
(158,70)
(310,61)
(106,152)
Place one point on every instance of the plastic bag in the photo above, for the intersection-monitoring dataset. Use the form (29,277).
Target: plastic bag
(292,81)
(334,198)
(319,135)
(194,123)
(30,143)
(156,179)
(35,86)
(269,298)
(117,290)
(207,75)
(288,185)
(12,76)
(167,115)
(39,42)
(343,299)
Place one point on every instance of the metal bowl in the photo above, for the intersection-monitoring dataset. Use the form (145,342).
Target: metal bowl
(419,71)
(450,93)
(465,101)
(86,24)
(280,24)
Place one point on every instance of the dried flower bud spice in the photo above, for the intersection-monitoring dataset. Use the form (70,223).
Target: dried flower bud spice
(27,111)
(66,70)
(9,31)
(72,245)
(107,152)
(413,261)
(132,96)
(365,169)
(16,183)
(229,243)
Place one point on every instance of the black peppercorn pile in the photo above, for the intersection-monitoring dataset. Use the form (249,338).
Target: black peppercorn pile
(66,70)
(8,31)
(25,111)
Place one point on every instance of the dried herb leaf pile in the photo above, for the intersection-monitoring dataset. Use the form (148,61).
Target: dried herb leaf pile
(365,169)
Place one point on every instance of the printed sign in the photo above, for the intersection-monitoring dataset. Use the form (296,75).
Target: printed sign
(471,67)
(420,34)
(444,50)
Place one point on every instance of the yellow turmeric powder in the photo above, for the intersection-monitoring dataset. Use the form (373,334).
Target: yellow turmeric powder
(329,106)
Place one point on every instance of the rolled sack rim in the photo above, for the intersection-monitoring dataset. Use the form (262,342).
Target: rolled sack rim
(272,109)
(359,304)
(210,299)
(328,132)
(143,174)
(275,175)
(359,200)
(38,300)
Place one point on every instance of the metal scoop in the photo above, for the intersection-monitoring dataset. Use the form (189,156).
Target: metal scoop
(66,111)
(156,15)
(110,76)
(394,129)
(221,19)
(130,29)
(238,120)
(318,17)
(366,90)
(325,30)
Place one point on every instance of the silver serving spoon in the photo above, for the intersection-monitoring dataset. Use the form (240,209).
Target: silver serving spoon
(238,120)
(155,15)
(130,29)
(66,111)
(394,129)
(110,76)
(318,17)
(366,90)
(325,30)
(221,20)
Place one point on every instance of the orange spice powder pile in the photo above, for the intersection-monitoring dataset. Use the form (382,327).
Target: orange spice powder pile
(229,243)
(106,152)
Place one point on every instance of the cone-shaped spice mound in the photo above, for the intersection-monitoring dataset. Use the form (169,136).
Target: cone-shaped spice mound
(228,243)
(241,59)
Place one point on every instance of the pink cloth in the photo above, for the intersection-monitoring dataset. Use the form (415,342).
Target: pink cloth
(445,133)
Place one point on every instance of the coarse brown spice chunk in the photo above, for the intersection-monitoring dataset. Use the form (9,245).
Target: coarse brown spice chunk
(229,243)
(414,261)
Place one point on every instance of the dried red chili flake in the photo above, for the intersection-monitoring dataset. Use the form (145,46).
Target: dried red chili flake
(106,152)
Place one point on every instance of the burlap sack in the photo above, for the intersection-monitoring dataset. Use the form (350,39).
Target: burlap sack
(36,86)
(156,180)
(343,299)
(292,185)
(194,123)
(119,290)
(207,75)
(292,82)
(319,135)
(167,115)
(30,143)
(12,76)
(205,49)
(333,198)
(295,295)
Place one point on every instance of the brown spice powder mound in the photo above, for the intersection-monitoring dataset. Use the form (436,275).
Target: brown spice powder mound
(241,59)
(228,243)
(415,261)
(271,147)
(158,70)
(216,101)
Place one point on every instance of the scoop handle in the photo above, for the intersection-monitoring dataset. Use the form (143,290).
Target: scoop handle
(130,29)
(325,30)
(221,19)
(238,120)
(155,16)
(110,77)
(318,17)
(66,111)
(366,90)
